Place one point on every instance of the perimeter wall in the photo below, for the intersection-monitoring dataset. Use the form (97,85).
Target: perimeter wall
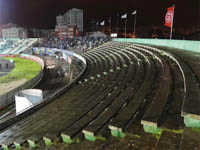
(193,46)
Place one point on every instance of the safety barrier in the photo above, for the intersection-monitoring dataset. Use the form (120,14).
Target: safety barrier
(187,45)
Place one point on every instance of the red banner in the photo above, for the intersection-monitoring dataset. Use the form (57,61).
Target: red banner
(169,17)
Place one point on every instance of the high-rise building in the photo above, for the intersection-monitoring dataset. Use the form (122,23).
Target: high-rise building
(60,20)
(73,16)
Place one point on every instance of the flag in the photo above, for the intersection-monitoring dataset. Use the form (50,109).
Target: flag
(102,23)
(124,16)
(134,13)
(169,17)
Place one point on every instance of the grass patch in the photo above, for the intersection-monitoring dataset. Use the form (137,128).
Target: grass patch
(157,136)
(180,131)
(77,140)
(24,69)
(99,137)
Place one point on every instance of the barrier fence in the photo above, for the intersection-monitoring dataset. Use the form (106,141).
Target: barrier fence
(186,45)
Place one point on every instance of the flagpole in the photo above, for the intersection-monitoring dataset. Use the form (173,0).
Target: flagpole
(97,25)
(110,26)
(172,23)
(135,23)
(125,26)
(117,23)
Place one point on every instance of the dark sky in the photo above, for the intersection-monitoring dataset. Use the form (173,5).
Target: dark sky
(42,13)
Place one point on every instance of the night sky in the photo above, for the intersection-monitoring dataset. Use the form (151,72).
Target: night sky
(42,13)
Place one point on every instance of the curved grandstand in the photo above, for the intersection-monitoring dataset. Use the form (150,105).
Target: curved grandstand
(125,86)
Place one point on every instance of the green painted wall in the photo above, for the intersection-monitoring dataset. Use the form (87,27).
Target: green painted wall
(180,44)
